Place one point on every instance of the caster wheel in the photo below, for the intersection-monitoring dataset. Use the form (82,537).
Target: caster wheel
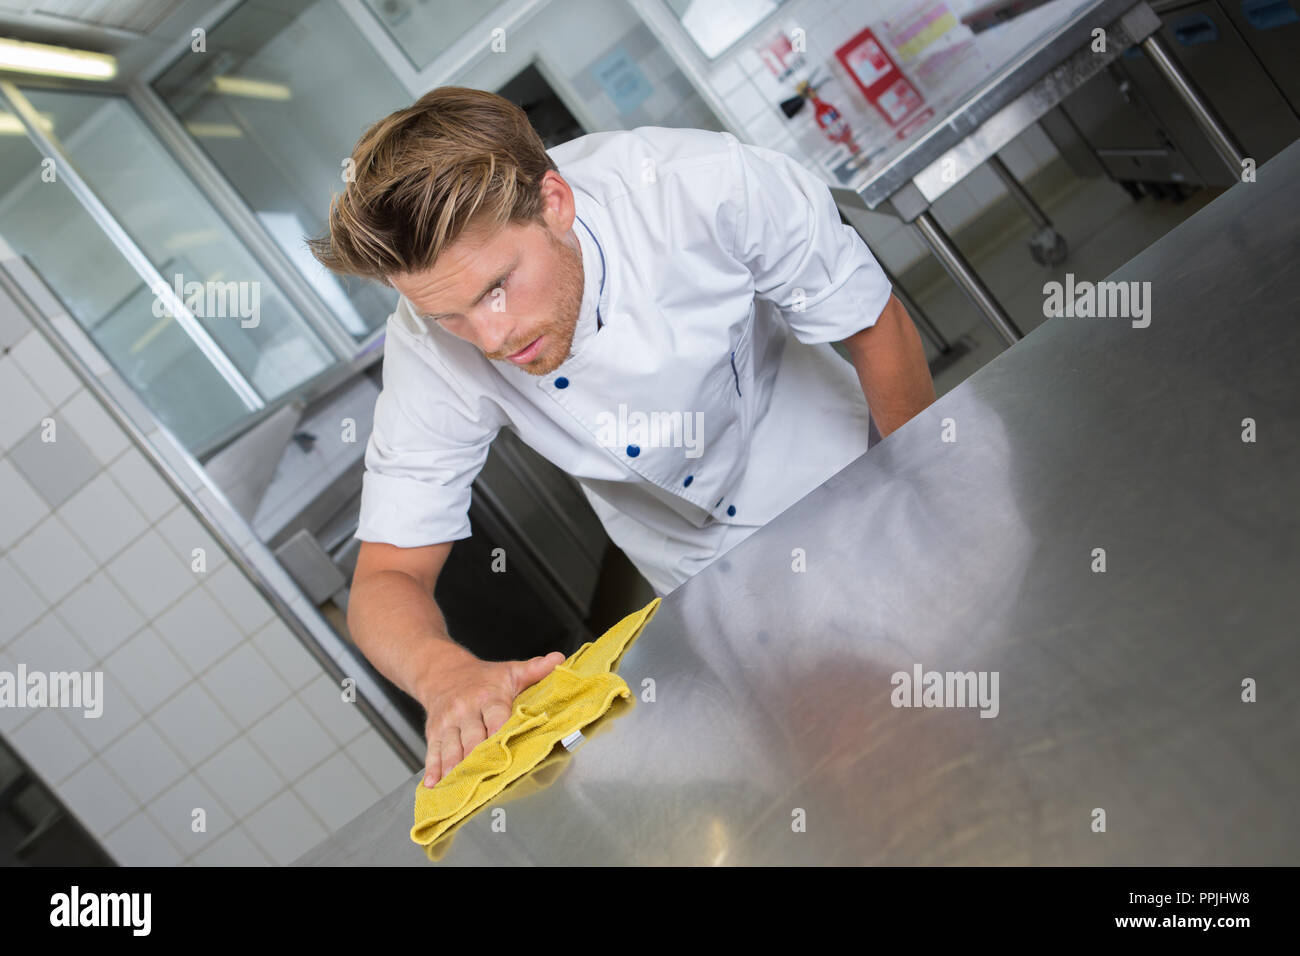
(1049,248)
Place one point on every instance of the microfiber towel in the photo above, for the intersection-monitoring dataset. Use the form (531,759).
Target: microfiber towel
(550,769)
(569,698)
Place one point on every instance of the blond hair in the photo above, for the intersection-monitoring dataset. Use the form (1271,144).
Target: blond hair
(455,158)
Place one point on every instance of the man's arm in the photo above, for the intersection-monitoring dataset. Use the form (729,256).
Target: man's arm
(393,617)
(396,623)
(892,368)
(786,229)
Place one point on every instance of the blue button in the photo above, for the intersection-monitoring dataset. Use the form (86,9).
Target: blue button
(561,382)
(689,479)
(633,450)
(731,509)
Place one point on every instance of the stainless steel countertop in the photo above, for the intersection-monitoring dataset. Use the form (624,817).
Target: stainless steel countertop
(960,116)
(1118,690)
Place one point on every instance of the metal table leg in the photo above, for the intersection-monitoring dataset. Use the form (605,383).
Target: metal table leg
(1047,246)
(962,273)
(928,328)
(1201,110)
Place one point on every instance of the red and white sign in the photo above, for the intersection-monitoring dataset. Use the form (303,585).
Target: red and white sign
(880,79)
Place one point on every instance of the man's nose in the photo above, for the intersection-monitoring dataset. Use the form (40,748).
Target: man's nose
(495,330)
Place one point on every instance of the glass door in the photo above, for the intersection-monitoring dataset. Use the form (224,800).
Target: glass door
(145,264)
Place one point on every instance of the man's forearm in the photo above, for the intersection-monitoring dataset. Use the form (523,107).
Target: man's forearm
(891,365)
(398,626)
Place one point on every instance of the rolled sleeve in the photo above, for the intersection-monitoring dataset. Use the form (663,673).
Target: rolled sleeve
(427,447)
(813,267)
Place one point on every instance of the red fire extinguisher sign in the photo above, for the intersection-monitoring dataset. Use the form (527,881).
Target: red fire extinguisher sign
(880,80)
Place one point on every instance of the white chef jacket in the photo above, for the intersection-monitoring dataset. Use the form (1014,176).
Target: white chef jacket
(715,274)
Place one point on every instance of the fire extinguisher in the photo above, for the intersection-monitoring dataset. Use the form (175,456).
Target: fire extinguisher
(829,120)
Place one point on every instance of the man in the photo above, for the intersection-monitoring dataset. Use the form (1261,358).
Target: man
(648,309)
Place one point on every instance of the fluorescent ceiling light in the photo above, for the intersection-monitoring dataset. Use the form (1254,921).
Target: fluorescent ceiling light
(257,89)
(215,130)
(9,124)
(25,57)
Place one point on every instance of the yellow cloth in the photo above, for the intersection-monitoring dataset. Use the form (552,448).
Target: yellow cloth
(569,698)
(537,779)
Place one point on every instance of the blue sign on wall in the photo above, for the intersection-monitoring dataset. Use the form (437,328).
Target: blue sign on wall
(622,80)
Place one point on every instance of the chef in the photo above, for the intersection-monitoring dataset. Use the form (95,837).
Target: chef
(648,309)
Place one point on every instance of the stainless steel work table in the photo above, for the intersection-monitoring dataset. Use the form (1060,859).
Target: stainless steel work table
(1119,690)
(908,177)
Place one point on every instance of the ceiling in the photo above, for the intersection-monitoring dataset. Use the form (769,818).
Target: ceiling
(137,32)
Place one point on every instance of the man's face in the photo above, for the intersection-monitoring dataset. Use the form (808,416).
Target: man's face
(514,294)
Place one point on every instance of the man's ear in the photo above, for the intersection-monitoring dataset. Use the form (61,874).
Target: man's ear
(558,209)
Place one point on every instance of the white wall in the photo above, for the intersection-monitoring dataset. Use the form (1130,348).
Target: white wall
(211,701)
(570,37)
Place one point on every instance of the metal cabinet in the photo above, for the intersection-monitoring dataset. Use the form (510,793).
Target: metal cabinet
(1208,46)
(1242,55)
(1130,141)
(1271,28)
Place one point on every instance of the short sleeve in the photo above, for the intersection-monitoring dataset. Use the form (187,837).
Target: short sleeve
(813,267)
(428,444)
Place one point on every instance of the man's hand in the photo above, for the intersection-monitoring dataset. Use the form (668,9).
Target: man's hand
(468,701)
(891,365)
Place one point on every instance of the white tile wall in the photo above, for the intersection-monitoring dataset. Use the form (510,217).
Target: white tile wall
(338,790)
(211,702)
(19,599)
(11,718)
(234,848)
(246,685)
(148,571)
(174,811)
(104,520)
(24,406)
(195,725)
(51,558)
(139,842)
(96,796)
(101,614)
(143,484)
(154,765)
(51,375)
(147,669)
(91,423)
(23,507)
(198,630)
(48,645)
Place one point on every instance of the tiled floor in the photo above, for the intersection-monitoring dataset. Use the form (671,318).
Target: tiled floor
(1104,227)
